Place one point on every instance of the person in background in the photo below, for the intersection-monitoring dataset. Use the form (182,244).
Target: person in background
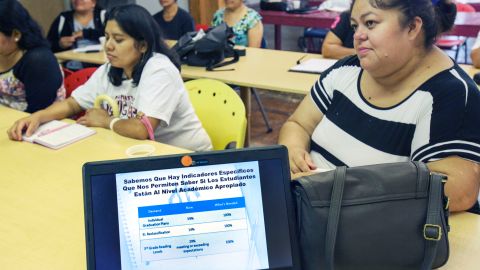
(399,98)
(475,53)
(339,41)
(30,77)
(246,23)
(77,28)
(173,21)
(143,77)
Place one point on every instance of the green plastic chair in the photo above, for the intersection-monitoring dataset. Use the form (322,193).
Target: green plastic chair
(221,112)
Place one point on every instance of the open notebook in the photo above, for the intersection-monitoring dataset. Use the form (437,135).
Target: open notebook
(316,66)
(89,48)
(57,134)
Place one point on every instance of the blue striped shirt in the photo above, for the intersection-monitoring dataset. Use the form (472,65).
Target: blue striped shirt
(440,118)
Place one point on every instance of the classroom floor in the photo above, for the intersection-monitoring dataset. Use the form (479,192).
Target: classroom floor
(279,107)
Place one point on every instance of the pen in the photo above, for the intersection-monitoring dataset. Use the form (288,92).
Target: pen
(230,69)
(48,131)
(300,60)
(92,51)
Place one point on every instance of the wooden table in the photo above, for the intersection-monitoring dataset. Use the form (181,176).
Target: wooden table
(98,58)
(466,24)
(464,240)
(41,195)
(470,70)
(318,19)
(260,68)
(41,210)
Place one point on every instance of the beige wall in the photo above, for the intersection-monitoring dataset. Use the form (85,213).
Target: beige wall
(44,11)
(202,10)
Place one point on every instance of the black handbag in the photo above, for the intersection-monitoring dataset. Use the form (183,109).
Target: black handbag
(208,51)
(386,216)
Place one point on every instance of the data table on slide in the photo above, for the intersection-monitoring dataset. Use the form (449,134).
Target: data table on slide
(193,229)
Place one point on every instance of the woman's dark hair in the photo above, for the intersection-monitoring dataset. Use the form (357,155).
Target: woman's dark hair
(136,22)
(438,16)
(13,16)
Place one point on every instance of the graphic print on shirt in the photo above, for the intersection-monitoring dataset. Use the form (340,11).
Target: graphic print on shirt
(12,91)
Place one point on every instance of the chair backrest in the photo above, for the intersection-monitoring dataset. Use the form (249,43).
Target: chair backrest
(77,78)
(204,27)
(461,7)
(66,72)
(220,110)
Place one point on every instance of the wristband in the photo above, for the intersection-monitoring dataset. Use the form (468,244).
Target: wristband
(148,126)
(113,121)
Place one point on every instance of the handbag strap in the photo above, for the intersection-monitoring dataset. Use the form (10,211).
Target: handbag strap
(432,230)
(236,57)
(334,216)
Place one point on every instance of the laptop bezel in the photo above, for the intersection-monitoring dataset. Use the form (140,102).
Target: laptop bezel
(149,163)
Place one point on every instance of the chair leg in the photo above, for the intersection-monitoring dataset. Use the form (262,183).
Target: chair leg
(466,50)
(262,110)
(302,44)
(311,47)
(456,53)
(320,44)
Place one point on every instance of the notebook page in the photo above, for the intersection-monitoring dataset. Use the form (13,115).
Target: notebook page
(55,124)
(89,48)
(64,136)
(316,66)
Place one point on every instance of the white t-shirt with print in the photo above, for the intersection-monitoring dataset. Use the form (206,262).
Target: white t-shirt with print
(159,94)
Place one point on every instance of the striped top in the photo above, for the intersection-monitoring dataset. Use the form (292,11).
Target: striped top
(439,119)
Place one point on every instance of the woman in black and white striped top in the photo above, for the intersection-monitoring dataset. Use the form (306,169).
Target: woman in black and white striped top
(399,98)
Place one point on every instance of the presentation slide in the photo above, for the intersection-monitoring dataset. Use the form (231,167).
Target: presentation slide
(207,217)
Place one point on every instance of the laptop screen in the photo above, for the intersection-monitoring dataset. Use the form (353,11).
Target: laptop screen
(216,210)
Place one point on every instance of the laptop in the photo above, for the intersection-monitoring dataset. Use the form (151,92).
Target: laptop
(213,210)
(303,7)
(303,10)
